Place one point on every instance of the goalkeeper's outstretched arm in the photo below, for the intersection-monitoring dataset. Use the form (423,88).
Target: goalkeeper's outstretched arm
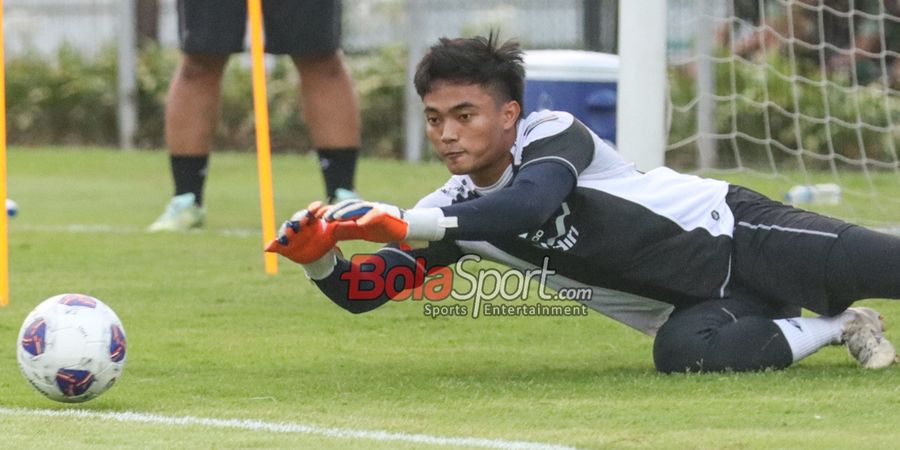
(339,283)
(536,192)
(310,242)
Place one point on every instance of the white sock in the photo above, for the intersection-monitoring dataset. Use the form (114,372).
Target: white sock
(806,335)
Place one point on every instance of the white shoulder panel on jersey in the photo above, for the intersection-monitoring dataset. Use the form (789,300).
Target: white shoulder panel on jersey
(539,125)
(688,200)
(607,163)
(457,185)
(641,313)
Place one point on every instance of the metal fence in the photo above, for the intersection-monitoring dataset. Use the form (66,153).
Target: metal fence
(44,25)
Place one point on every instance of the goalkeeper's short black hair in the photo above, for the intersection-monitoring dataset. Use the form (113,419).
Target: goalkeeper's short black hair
(479,60)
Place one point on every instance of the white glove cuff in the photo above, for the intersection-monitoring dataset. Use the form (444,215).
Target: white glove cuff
(427,224)
(322,267)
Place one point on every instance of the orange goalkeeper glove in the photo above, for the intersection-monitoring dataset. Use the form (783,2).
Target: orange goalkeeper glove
(380,222)
(373,226)
(304,238)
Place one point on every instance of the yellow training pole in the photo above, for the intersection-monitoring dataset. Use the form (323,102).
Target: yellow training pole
(263,152)
(4,221)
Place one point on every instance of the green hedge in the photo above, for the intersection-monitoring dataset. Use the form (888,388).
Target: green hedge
(69,99)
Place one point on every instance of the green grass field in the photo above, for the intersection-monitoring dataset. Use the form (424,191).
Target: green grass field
(264,361)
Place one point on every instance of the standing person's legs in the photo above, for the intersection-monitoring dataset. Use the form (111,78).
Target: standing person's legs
(192,110)
(332,116)
(310,31)
(209,31)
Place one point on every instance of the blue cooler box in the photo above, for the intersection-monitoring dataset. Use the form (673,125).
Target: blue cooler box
(579,82)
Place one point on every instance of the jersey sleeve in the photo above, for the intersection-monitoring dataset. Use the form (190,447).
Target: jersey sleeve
(358,285)
(558,137)
(536,192)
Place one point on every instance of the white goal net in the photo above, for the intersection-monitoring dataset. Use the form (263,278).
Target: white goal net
(778,93)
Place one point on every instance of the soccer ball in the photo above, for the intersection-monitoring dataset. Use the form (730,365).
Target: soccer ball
(12,208)
(71,348)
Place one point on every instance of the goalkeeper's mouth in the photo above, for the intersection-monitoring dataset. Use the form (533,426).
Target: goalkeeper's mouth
(452,155)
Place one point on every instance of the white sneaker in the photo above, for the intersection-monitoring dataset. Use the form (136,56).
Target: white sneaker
(864,337)
(341,194)
(181,214)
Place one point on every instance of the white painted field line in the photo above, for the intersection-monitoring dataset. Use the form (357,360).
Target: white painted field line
(283,427)
(99,228)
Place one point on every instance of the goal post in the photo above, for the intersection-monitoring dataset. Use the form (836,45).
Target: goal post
(640,106)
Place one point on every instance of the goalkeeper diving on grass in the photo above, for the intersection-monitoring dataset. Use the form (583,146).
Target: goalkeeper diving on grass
(716,272)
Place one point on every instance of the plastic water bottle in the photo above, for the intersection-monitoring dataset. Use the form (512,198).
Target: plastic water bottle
(822,194)
(11,208)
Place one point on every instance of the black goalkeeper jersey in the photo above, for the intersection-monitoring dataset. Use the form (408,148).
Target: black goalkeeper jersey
(643,243)
(659,234)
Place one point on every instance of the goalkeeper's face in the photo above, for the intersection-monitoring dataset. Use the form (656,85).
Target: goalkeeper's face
(472,132)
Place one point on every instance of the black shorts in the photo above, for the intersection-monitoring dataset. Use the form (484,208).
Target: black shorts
(292,27)
(782,253)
